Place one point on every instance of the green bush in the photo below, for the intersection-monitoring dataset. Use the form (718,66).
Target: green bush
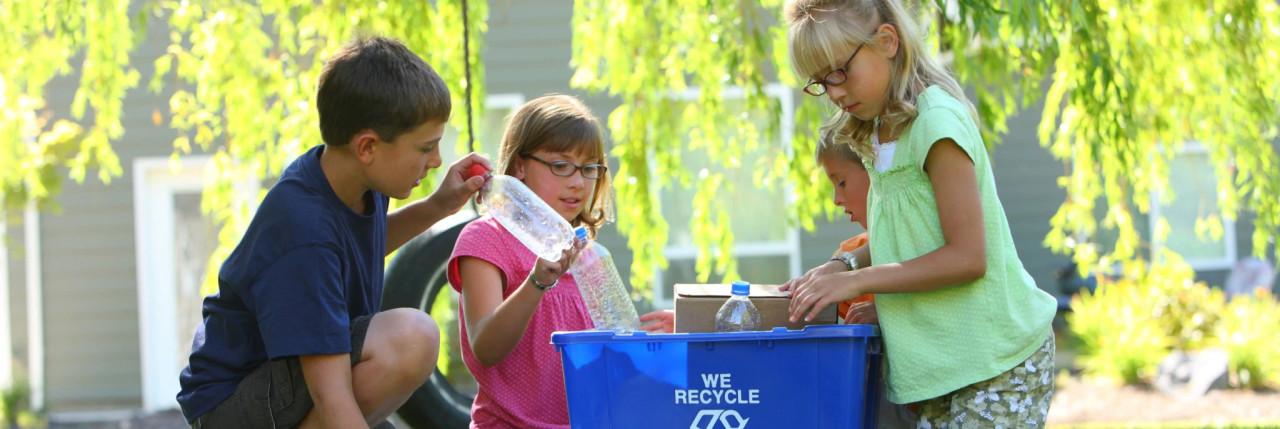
(1250,332)
(1117,332)
(1188,311)
(1132,321)
(15,404)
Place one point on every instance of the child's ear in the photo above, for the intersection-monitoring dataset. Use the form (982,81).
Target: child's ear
(517,170)
(363,144)
(886,38)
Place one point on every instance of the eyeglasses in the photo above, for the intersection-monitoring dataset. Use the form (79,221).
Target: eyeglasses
(566,168)
(836,77)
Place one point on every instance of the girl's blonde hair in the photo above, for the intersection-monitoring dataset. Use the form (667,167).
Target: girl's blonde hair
(834,144)
(561,123)
(818,30)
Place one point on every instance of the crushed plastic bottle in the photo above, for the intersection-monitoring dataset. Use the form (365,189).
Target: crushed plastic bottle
(738,314)
(524,214)
(602,289)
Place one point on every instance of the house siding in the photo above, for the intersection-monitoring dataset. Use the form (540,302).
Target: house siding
(13,242)
(90,285)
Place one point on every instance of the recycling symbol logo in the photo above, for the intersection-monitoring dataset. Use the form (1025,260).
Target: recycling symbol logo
(714,419)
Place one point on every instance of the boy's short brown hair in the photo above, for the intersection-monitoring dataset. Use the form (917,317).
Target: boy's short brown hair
(377,83)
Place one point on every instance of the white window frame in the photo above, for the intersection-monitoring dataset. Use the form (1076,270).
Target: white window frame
(1228,225)
(155,183)
(789,246)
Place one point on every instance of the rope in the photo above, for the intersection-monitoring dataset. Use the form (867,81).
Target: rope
(466,70)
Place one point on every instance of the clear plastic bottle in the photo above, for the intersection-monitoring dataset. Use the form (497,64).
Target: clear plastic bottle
(738,313)
(602,290)
(525,215)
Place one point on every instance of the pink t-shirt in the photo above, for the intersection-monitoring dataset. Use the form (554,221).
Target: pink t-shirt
(526,389)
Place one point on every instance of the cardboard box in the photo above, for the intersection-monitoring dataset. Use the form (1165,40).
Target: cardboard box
(697,304)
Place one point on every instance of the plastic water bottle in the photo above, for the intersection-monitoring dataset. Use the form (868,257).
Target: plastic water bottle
(524,214)
(738,313)
(604,294)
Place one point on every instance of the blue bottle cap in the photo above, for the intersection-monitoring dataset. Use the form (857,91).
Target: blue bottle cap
(741,288)
(581,232)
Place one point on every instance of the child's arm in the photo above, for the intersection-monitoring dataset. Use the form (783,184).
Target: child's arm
(494,325)
(962,259)
(454,191)
(658,321)
(329,380)
(861,254)
(862,313)
(831,267)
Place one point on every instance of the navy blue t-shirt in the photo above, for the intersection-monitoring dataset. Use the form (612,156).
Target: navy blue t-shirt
(306,267)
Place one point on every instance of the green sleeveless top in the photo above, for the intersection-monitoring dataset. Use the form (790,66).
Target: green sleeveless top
(940,341)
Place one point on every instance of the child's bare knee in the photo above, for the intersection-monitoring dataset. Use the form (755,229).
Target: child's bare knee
(420,338)
(415,334)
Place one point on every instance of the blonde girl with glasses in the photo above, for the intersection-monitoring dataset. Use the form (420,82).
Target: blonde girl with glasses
(966,330)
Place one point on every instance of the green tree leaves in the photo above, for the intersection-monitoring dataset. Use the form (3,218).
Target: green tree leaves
(1129,84)
(245,76)
(649,54)
(45,41)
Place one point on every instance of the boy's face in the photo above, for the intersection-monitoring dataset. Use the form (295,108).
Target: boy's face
(567,195)
(851,182)
(402,163)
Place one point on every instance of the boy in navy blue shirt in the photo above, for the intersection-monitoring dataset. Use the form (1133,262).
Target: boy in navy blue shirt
(294,337)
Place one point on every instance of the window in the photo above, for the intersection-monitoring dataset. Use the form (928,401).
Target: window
(1195,187)
(767,247)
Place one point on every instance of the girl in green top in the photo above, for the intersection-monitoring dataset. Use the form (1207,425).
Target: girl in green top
(966,330)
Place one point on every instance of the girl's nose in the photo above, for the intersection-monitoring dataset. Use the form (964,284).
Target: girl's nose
(836,199)
(576,180)
(835,94)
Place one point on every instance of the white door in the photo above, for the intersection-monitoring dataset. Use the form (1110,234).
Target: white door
(174,240)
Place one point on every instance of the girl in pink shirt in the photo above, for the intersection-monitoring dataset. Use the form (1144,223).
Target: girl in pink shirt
(511,300)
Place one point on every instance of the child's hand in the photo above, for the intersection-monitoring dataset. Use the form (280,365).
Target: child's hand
(659,321)
(547,272)
(816,293)
(458,184)
(862,313)
(830,267)
(478,170)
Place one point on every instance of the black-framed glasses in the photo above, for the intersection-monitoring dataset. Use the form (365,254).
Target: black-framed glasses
(836,77)
(566,168)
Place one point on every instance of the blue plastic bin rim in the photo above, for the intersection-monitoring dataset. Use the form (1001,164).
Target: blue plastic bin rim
(809,332)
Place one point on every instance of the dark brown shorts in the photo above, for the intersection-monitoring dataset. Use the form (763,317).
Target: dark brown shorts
(275,394)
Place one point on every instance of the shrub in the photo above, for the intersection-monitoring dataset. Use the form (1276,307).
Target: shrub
(1250,332)
(1117,331)
(15,404)
(1125,328)
(1188,311)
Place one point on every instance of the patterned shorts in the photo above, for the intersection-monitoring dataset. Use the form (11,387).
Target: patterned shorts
(1017,398)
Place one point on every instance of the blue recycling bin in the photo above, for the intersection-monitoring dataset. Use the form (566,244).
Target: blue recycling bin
(819,377)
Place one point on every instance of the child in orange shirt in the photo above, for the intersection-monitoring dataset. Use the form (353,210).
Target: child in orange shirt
(850,182)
